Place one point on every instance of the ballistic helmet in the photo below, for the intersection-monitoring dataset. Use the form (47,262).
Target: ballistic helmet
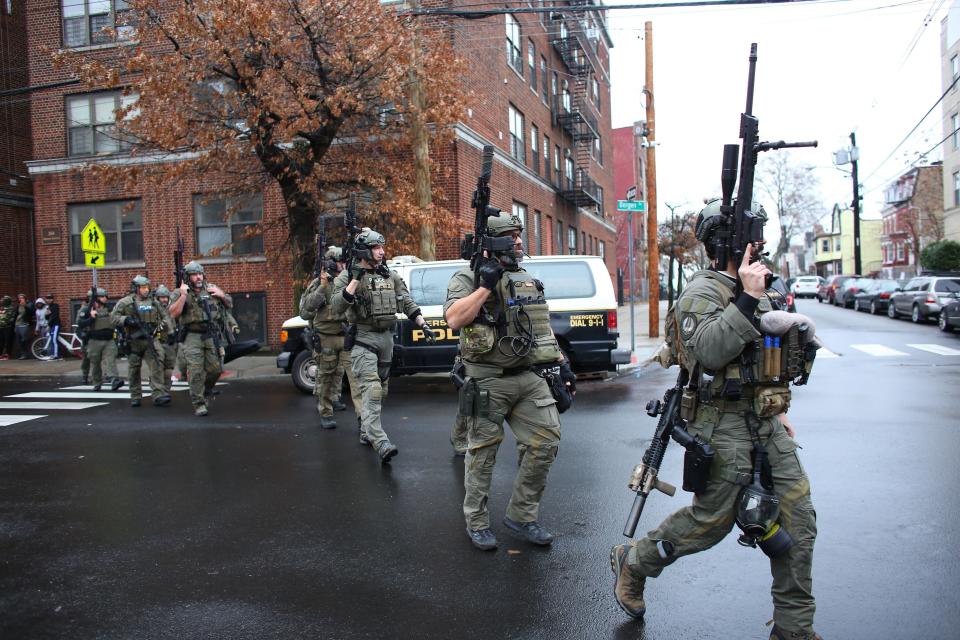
(366,240)
(7,301)
(140,281)
(101,292)
(193,267)
(335,253)
(162,292)
(503,223)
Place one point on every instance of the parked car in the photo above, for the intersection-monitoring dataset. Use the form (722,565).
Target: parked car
(849,289)
(923,296)
(950,314)
(780,296)
(583,314)
(828,289)
(874,296)
(806,286)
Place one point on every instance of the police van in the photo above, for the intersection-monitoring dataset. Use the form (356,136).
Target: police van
(583,314)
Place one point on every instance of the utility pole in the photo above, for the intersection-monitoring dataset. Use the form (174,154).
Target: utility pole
(854,155)
(653,248)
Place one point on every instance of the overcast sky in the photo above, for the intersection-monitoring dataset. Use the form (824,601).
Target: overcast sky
(825,69)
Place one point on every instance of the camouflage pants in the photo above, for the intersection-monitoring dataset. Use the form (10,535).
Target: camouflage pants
(203,365)
(85,359)
(525,402)
(169,360)
(372,373)
(140,352)
(458,437)
(711,516)
(332,362)
(101,358)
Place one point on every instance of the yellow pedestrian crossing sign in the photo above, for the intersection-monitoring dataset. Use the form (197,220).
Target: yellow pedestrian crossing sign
(94,260)
(92,239)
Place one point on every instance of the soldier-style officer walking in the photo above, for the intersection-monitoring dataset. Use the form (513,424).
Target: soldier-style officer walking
(714,325)
(371,295)
(332,360)
(100,350)
(501,340)
(169,340)
(143,320)
(200,309)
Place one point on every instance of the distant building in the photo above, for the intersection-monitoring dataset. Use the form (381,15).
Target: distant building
(629,170)
(913,217)
(950,80)
(834,247)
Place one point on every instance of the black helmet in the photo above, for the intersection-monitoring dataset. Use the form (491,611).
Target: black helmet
(365,241)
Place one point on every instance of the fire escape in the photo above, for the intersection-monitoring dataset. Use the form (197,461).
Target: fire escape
(572,111)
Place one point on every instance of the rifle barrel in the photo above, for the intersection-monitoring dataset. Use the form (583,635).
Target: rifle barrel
(753,72)
(780,144)
(634,518)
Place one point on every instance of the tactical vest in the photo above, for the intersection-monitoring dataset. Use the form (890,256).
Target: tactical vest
(325,321)
(377,303)
(513,327)
(146,311)
(102,327)
(193,316)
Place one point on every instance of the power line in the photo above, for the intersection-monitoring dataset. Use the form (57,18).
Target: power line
(471,14)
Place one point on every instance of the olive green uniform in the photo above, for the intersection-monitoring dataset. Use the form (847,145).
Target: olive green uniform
(100,350)
(713,331)
(332,361)
(374,309)
(143,342)
(170,348)
(501,386)
(200,323)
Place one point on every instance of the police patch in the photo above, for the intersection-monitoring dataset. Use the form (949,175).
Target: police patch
(688,325)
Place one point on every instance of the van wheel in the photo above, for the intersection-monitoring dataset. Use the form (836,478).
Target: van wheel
(915,316)
(304,371)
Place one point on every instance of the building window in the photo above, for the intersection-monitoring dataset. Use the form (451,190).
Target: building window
(595,87)
(517,147)
(250,311)
(556,166)
(899,251)
(544,89)
(520,210)
(546,156)
(955,121)
(565,98)
(559,247)
(584,246)
(92,123)
(228,226)
(535,148)
(954,71)
(554,83)
(87,21)
(600,198)
(837,244)
(548,233)
(568,169)
(571,240)
(597,150)
(514,55)
(603,249)
(537,233)
(122,225)
(826,246)
(532,64)
(956,188)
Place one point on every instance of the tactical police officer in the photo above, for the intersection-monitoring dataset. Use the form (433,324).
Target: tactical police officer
(169,340)
(327,342)
(505,334)
(100,349)
(371,295)
(741,407)
(200,308)
(144,320)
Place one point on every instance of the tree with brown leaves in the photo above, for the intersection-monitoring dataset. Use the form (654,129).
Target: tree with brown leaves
(312,96)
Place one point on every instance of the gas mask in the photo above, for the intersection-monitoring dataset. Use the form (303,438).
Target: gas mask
(758,509)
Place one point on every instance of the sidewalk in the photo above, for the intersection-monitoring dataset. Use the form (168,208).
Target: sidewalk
(644,345)
(257,365)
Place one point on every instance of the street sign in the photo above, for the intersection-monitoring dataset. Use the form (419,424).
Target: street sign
(631,205)
(95,260)
(92,239)
(632,193)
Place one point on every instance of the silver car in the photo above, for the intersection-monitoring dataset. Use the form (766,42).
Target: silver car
(923,297)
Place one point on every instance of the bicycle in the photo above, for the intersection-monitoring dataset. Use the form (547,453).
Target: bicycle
(42,348)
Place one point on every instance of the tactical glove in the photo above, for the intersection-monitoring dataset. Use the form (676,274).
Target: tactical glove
(356,272)
(429,335)
(129,321)
(490,271)
(568,376)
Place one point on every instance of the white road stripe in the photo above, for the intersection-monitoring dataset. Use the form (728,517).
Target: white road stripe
(50,405)
(823,352)
(106,387)
(938,349)
(6,421)
(878,350)
(74,395)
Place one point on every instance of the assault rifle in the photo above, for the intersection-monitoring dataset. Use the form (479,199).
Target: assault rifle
(741,225)
(321,263)
(697,460)
(178,260)
(474,244)
(350,224)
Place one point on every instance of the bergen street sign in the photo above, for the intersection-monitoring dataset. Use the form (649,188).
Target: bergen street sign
(631,205)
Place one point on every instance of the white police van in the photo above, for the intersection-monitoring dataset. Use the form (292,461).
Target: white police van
(583,314)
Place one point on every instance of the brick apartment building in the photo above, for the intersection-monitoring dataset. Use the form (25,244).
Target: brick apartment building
(540,93)
(629,169)
(16,193)
(912,218)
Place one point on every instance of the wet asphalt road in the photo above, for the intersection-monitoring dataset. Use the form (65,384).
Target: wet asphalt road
(253,523)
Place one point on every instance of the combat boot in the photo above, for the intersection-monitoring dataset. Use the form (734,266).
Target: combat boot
(96,387)
(782,634)
(201,410)
(339,406)
(326,422)
(161,401)
(116,384)
(364,440)
(83,380)
(482,539)
(386,450)
(627,586)
(529,531)
(135,403)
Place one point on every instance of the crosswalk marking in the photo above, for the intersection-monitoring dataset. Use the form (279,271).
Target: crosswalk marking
(878,350)
(74,395)
(7,420)
(823,352)
(51,405)
(938,349)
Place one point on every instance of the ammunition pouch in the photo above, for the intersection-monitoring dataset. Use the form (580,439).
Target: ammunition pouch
(558,388)
(477,339)
(474,401)
(771,401)
(182,333)
(689,401)
(313,339)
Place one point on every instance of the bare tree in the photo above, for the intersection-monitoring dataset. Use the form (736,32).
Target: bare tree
(678,241)
(791,193)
